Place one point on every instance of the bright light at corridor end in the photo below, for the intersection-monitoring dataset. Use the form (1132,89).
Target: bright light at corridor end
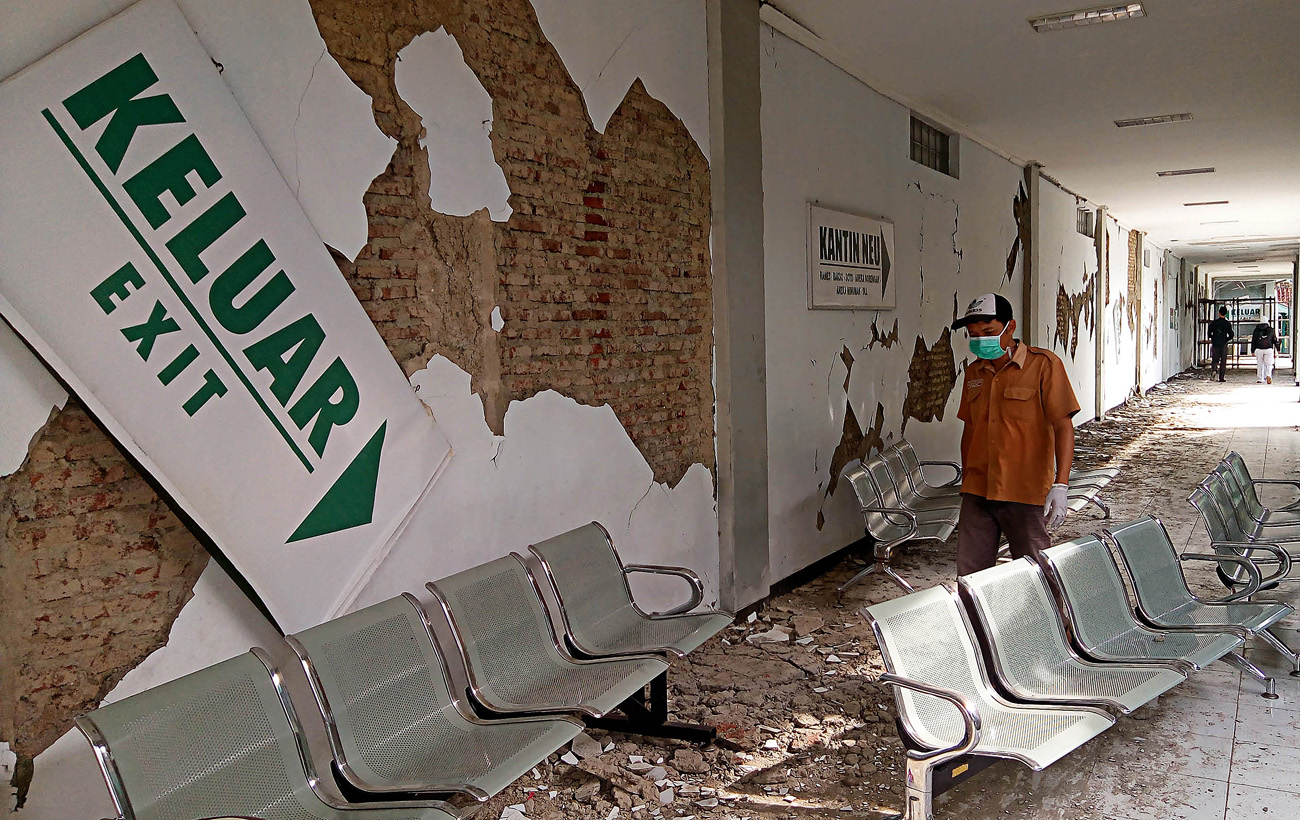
(1087,17)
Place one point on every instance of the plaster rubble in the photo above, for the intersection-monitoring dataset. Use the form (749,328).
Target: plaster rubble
(433,78)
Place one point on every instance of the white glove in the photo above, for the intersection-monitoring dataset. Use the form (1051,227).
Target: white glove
(1056,507)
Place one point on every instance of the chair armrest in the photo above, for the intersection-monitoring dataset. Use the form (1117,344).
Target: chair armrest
(1293,484)
(956,468)
(912,521)
(1283,558)
(697,586)
(1252,584)
(969,714)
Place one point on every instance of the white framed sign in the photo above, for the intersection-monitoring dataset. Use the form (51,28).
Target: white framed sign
(152,255)
(850,258)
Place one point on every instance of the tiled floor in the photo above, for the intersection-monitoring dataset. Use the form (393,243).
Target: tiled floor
(1212,748)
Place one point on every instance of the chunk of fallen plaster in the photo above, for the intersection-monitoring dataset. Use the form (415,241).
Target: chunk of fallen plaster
(585,747)
(512,813)
(317,125)
(456,110)
(777,634)
(497,321)
(607,44)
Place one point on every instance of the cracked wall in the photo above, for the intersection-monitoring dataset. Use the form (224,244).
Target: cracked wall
(1074,314)
(602,272)
(831,140)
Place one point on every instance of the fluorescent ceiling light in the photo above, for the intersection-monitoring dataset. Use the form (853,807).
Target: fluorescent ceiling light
(1155,119)
(1223,222)
(1086,17)
(1181,172)
(1213,202)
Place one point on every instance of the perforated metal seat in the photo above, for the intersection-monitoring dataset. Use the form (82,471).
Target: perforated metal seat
(891,494)
(514,660)
(1031,653)
(1165,601)
(600,616)
(897,473)
(1284,515)
(395,724)
(929,649)
(1239,557)
(888,525)
(1097,608)
(221,742)
(916,472)
(1229,495)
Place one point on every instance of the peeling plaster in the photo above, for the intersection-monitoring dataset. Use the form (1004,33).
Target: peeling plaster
(1020,211)
(931,377)
(558,465)
(28,396)
(885,340)
(316,124)
(854,444)
(433,78)
(1071,309)
(607,44)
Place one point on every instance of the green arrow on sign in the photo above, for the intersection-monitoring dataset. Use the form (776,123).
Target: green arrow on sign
(350,502)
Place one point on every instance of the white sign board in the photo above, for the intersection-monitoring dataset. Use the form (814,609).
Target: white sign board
(153,256)
(849,261)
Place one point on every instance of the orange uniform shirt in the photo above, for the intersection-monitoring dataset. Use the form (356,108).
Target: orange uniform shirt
(1010,451)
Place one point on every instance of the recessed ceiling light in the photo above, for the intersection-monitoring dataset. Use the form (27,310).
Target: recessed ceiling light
(1214,202)
(1086,17)
(1156,119)
(1181,172)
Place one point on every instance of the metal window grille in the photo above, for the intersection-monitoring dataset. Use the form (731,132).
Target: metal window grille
(1084,222)
(931,147)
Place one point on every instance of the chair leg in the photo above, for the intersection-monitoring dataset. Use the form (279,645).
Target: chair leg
(1101,505)
(649,717)
(1270,685)
(1276,643)
(919,792)
(883,553)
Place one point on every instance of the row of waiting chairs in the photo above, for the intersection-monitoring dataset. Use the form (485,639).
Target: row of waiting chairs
(426,710)
(899,506)
(996,669)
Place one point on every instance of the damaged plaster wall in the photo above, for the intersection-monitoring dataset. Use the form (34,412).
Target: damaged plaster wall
(828,137)
(634,334)
(1120,339)
(607,44)
(559,465)
(1065,320)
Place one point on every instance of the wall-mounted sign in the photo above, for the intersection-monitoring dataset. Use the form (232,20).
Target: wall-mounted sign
(152,255)
(849,261)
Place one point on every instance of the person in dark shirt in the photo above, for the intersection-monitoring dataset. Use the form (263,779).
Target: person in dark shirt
(1262,343)
(1220,334)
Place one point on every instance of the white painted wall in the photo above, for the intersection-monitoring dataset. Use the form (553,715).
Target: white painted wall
(608,44)
(1067,258)
(1120,350)
(828,137)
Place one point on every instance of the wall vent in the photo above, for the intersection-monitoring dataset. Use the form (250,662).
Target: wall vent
(1084,222)
(1062,20)
(1158,119)
(1182,172)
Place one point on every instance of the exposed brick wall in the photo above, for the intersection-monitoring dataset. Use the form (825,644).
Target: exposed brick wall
(931,376)
(602,273)
(93,571)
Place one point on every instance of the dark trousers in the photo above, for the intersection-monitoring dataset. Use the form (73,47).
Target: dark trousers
(984,522)
(1218,359)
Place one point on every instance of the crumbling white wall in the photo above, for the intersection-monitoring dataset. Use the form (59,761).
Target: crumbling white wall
(828,137)
(1068,260)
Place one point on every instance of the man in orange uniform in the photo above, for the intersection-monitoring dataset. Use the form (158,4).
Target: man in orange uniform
(1018,441)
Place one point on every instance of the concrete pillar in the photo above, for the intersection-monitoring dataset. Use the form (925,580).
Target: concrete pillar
(740,336)
(1032,267)
(1099,311)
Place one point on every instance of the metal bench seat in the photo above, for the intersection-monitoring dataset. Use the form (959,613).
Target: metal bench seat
(910,497)
(1164,600)
(1240,558)
(221,742)
(947,706)
(1286,514)
(888,527)
(1228,494)
(599,616)
(915,470)
(395,722)
(1105,628)
(892,493)
(1031,652)
(514,661)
